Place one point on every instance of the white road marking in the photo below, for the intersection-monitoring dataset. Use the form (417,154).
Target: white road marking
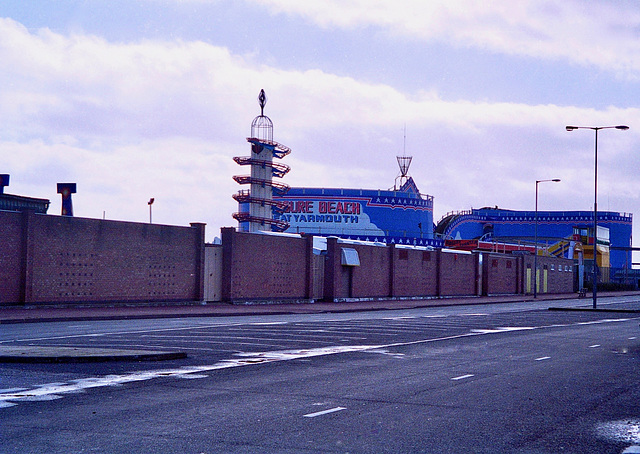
(324,412)
(503,329)
(135,331)
(386,352)
(53,391)
(267,323)
(462,377)
(594,346)
(542,358)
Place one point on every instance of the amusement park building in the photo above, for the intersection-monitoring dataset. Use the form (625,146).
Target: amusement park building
(400,216)
(560,233)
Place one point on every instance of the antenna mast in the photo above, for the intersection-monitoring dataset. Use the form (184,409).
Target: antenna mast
(404,162)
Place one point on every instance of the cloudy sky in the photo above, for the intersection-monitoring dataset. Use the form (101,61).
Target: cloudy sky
(133,99)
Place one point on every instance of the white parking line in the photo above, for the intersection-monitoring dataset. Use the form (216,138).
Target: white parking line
(594,346)
(324,412)
(542,358)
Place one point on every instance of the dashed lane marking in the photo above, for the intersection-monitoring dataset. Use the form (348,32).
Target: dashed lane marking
(462,377)
(324,412)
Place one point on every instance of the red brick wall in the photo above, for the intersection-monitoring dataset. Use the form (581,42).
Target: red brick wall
(11,264)
(457,274)
(501,274)
(560,273)
(415,272)
(259,266)
(71,259)
(371,279)
(398,272)
(46,258)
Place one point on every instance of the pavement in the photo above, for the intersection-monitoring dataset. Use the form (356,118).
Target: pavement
(123,311)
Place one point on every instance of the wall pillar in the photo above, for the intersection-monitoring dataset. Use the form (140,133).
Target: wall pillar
(439,272)
(26,262)
(228,235)
(333,254)
(199,258)
(308,280)
(392,270)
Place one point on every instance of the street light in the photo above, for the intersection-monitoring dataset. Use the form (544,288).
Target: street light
(595,202)
(535,257)
(150,202)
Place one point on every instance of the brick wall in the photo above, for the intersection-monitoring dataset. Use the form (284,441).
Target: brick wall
(457,274)
(46,258)
(415,272)
(11,257)
(371,279)
(501,274)
(558,273)
(389,271)
(69,259)
(257,266)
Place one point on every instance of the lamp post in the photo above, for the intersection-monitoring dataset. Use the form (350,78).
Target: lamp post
(150,202)
(595,203)
(535,256)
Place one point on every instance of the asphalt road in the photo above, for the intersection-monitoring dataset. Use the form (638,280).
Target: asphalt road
(473,379)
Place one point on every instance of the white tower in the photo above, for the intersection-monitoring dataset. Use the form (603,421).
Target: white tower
(257,206)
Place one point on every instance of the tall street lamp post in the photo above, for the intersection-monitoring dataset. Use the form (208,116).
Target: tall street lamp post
(150,202)
(595,203)
(535,256)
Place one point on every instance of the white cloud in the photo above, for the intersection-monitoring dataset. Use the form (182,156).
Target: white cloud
(598,33)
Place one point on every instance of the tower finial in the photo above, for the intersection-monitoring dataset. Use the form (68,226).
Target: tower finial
(262,100)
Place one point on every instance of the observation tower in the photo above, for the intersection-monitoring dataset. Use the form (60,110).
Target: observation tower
(256,204)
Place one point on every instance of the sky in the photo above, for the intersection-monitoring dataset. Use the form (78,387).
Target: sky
(133,99)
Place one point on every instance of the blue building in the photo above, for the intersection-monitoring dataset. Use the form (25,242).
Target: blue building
(401,215)
(561,233)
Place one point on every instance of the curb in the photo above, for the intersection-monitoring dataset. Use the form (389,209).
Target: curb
(590,309)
